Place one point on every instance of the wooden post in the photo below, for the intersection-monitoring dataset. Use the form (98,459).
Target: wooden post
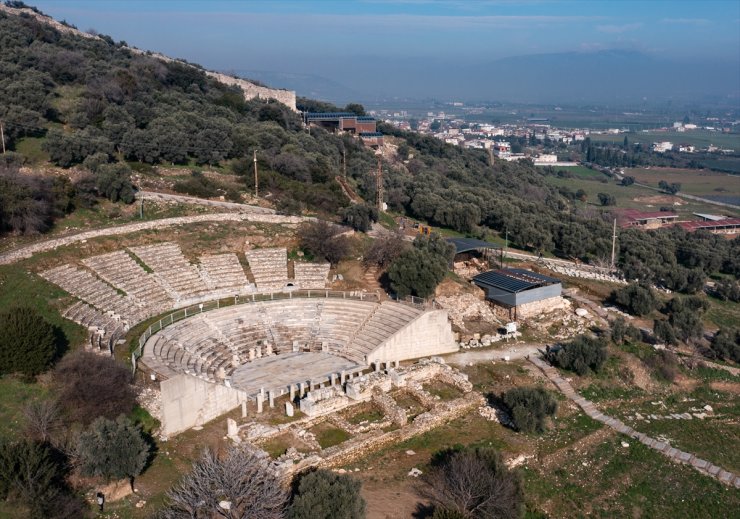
(2,136)
(256,178)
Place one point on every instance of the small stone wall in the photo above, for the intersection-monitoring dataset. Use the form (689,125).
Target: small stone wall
(47,245)
(389,407)
(324,401)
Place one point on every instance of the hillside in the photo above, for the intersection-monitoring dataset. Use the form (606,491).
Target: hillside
(99,107)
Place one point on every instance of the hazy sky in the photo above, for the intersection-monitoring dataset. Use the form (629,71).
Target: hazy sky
(323,36)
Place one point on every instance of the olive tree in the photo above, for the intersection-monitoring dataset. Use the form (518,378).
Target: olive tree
(241,483)
(112,449)
(323,494)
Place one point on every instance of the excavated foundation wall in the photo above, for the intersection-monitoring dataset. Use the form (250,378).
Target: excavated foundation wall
(188,401)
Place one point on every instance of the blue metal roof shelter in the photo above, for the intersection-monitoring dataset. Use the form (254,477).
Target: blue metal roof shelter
(468,244)
(513,287)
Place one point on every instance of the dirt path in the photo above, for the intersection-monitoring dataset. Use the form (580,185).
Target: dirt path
(513,352)
(153,195)
(52,243)
(703,466)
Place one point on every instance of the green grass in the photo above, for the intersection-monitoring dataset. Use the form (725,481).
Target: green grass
(368,413)
(14,396)
(142,417)
(387,221)
(277,446)
(30,148)
(627,197)
(723,314)
(443,391)
(613,481)
(693,181)
(328,436)
(20,287)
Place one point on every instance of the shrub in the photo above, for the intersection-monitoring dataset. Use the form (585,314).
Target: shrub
(475,483)
(622,332)
(664,364)
(28,343)
(447,513)
(727,290)
(114,182)
(582,354)
(197,185)
(420,269)
(664,332)
(360,216)
(323,494)
(32,476)
(243,476)
(112,450)
(385,250)
(529,407)
(726,345)
(607,199)
(90,386)
(636,299)
(685,317)
(321,240)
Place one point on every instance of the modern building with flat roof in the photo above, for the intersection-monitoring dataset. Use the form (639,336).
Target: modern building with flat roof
(520,291)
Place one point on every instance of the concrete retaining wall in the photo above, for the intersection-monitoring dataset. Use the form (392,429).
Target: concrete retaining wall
(188,401)
(429,334)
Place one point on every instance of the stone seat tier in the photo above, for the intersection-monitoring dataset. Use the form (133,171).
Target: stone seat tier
(86,286)
(120,270)
(173,269)
(210,346)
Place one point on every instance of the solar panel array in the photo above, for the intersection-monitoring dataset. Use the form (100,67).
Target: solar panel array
(514,280)
(498,280)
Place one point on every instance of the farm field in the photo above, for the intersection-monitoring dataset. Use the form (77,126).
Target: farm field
(693,181)
(638,197)
(580,172)
(699,138)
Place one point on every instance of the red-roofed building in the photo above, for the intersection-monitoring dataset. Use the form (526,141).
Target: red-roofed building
(726,226)
(645,219)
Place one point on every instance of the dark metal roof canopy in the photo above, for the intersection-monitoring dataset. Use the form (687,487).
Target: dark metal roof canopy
(468,244)
(513,280)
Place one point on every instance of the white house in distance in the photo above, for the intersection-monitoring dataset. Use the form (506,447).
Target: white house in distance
(662,147)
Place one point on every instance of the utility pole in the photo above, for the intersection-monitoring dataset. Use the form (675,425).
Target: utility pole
(344,163)
(614,241)
(490,156)
(506,245)
(379,185)
(256,177)
(2,136)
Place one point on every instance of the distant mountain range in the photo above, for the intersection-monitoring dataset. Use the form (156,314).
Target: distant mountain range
(609,76)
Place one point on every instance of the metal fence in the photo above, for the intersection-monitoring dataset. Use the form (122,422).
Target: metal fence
(190,311)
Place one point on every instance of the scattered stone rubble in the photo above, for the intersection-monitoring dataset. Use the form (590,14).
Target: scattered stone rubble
(467,307)
(699,413)
(583,271)
(368,436)
(496,414)
(483,341)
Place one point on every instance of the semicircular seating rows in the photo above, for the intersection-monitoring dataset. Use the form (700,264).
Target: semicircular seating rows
(119,289)
(213,344)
